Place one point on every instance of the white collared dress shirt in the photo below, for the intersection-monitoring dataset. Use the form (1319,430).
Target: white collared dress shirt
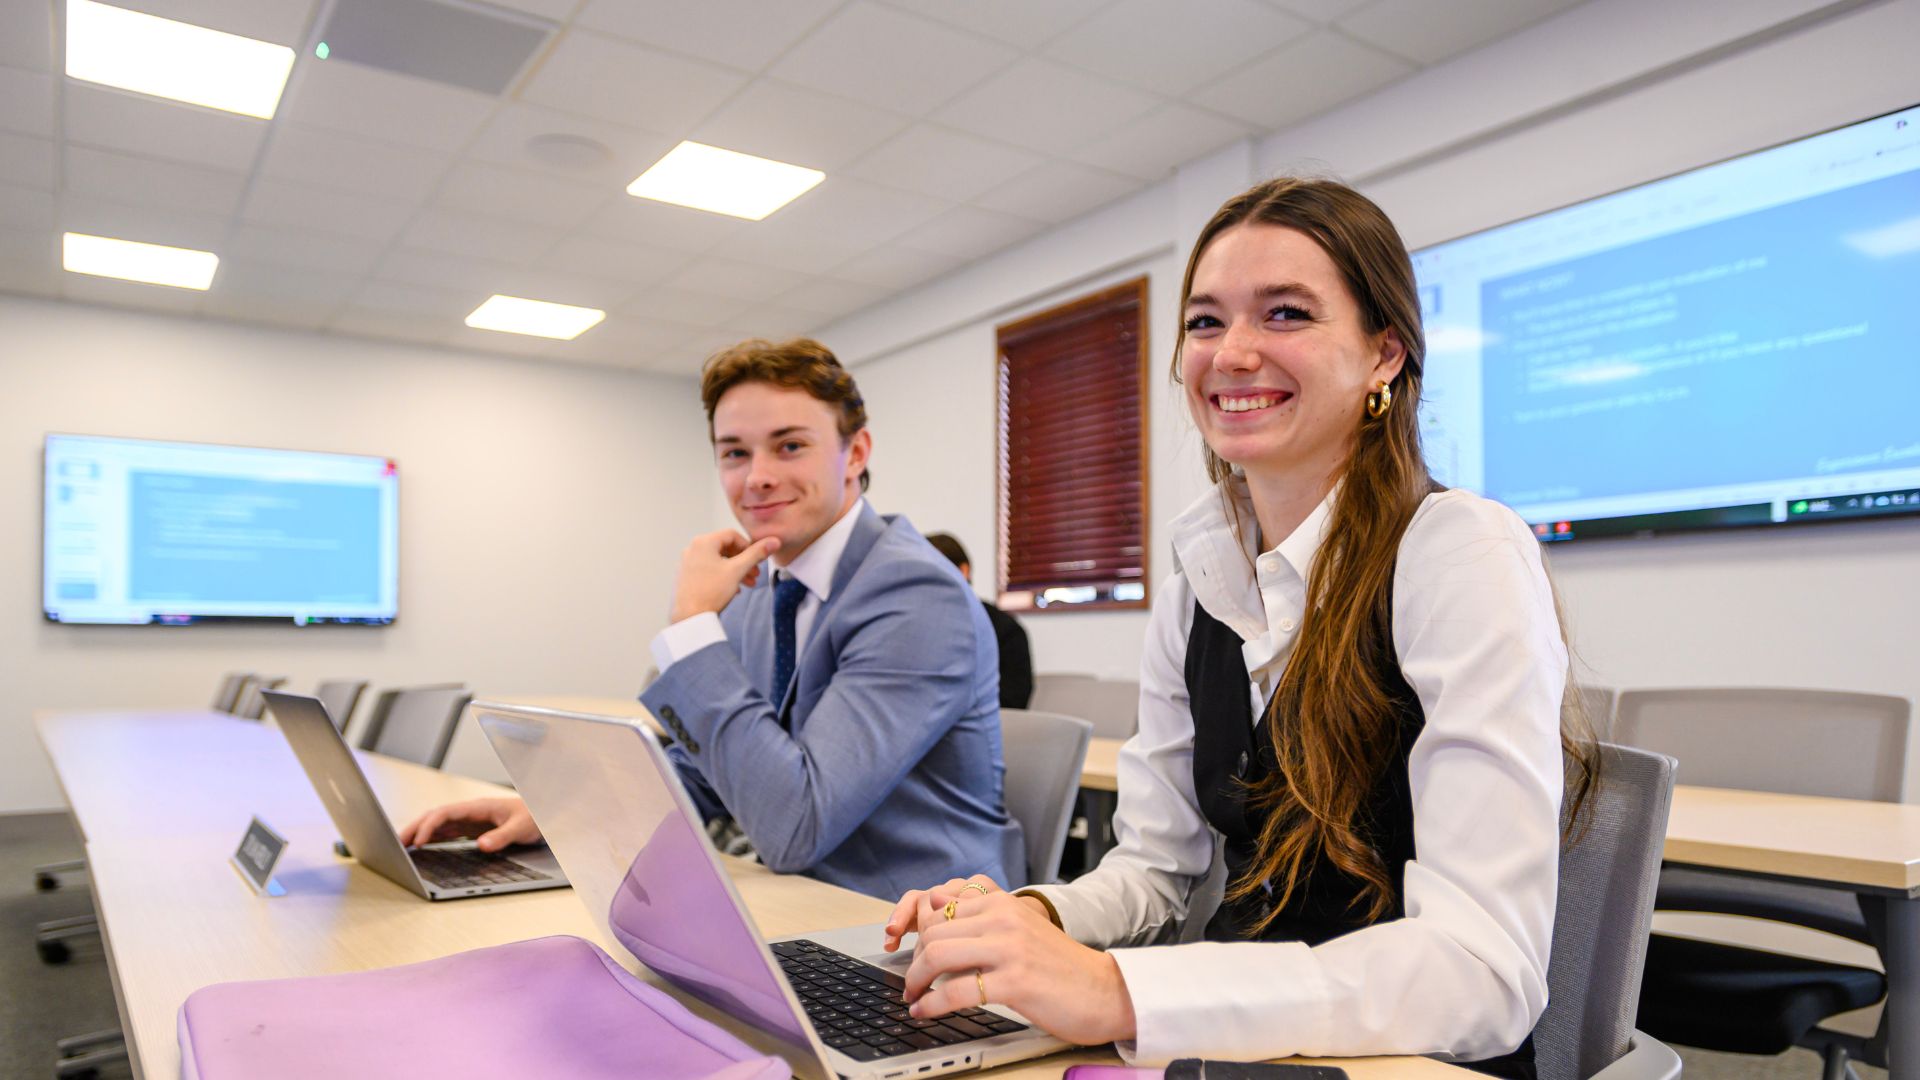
(1463,976)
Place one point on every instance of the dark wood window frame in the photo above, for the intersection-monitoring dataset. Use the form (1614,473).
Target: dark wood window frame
(1032,513)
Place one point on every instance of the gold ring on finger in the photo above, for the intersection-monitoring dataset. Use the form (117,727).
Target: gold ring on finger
(980,980)
(952,906)
(974,885)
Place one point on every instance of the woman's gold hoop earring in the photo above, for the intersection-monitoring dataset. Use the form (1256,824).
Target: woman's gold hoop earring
(1380,401)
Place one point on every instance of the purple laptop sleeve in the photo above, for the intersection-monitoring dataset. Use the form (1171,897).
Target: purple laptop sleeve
(553,1006)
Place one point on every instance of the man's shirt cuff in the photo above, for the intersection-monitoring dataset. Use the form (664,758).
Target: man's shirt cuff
(686,637)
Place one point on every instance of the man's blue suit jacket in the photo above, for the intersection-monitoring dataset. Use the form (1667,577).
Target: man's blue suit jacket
(891,777)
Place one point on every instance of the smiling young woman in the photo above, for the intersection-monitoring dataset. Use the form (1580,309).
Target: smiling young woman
(1353,676)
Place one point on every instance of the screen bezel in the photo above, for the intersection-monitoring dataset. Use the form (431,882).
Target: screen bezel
(176,620)
(1706,519)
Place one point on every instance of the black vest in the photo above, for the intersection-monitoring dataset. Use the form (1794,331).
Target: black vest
(1232,755)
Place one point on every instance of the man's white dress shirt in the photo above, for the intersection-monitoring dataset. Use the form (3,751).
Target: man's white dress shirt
(814,568)
(1464,975)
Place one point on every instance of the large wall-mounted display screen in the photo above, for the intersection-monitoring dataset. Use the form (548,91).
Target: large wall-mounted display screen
(142,532)
(1736,345)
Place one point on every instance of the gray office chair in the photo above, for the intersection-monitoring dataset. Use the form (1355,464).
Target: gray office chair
(340,696)
(227,694)
(1600,924)
(415,723)
(1802,742)
(250,705)
(1044,753)
(1112,706)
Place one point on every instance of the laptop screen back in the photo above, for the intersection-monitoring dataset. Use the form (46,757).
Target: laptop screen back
(612,809)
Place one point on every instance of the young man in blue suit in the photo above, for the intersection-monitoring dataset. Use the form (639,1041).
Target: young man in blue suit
(844,708)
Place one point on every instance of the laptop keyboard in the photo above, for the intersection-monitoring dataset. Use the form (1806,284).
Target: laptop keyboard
(467,868)
(857,1008)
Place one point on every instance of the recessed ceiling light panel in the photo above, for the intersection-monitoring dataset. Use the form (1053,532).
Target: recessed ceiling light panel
(537,318)
(724,181)
(175,60)
(129,260)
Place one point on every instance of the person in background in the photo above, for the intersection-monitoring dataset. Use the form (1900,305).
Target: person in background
(842,706)
(1353,676)
(1016,658)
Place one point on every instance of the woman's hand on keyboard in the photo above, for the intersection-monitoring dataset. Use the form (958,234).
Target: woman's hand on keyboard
(497,822)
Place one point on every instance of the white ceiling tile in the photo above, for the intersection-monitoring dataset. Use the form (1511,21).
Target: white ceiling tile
(282,22)
(147,182)
(1318,11)
(1057,191)
(629,342)
(30,261)
(375,104)
(450,304)
(269,293)
(659,225)
(774,322)
(500,343)
(968,232)
(1157,143)
(26,35)
(725,277)
(300,206)
(624,83)
(151,127)
(26,102)
(1046,106)
(25,207)
(26,161)
(393,325)
(484,278)
(943,162)
(1310,76)
(798,126)
(534,198)
(895,266)
(330,159)
(503,141)
(664,304)
(1021,23)
(87,289)
(1172,48)
(1429,32)
(745,34)
(872,53)
(301,249)
(802,250)
(832,297)
(147,224)
(852,213)
(634,264)
(482,238)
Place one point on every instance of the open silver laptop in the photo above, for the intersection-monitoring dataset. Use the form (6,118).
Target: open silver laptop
(612,807)
(436,871)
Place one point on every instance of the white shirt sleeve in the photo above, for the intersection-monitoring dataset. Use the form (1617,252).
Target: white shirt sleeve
(1463,975)
(684,638)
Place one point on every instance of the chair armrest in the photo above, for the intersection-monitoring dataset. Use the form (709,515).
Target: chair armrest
(1646,1059)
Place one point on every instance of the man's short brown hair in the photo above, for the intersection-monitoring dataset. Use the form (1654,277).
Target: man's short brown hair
(799,364)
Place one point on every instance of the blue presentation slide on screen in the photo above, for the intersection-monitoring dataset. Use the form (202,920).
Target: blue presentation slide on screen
(1747,334)
(142,532)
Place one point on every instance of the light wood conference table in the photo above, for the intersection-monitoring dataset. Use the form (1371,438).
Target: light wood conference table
(162,798)
(1869,848)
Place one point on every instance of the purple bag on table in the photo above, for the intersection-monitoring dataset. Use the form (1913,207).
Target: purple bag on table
(553,1006)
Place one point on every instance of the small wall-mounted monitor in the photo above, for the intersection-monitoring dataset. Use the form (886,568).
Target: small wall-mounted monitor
(143,532)
(1736,345)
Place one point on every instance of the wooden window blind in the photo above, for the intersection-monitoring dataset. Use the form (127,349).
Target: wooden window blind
(1073,454)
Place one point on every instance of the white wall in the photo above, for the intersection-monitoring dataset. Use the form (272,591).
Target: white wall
(1609,94)
(543,507)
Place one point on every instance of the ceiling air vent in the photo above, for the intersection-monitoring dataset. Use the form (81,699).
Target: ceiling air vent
(447,41)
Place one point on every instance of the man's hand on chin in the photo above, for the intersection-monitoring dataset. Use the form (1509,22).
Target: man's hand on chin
(713,568)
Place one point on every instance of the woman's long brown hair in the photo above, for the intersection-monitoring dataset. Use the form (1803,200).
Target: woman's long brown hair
(1333,722)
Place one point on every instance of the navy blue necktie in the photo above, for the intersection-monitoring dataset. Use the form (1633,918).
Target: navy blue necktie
(788,591)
